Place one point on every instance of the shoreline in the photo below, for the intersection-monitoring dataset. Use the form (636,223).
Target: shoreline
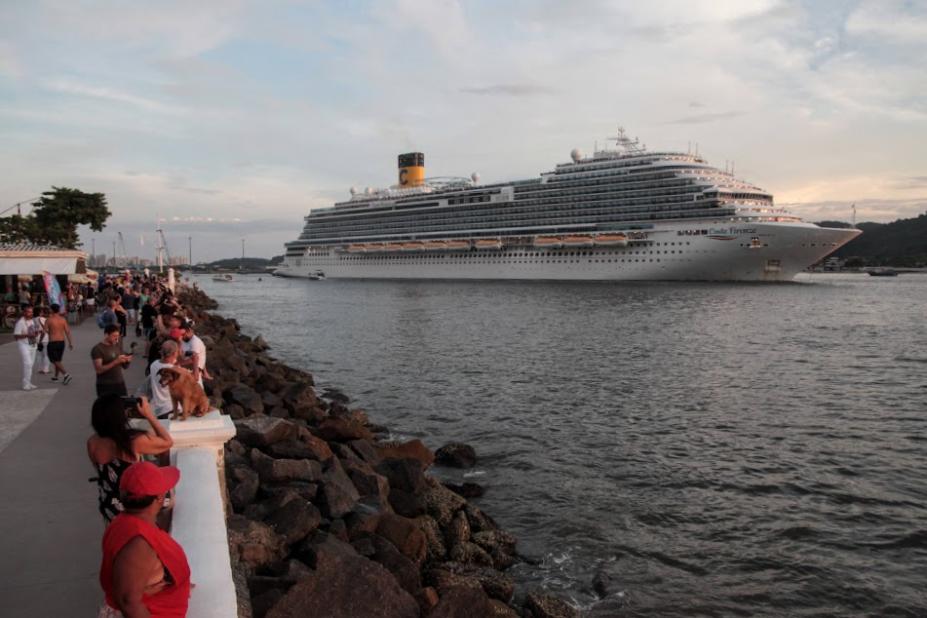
(324,515)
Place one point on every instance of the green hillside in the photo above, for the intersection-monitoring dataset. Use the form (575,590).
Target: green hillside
(899,243)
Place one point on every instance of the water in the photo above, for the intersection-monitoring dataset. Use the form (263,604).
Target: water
(717,449)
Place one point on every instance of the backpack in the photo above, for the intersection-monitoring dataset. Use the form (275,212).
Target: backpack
(107,316)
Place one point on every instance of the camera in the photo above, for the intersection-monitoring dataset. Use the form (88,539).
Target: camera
(130,403)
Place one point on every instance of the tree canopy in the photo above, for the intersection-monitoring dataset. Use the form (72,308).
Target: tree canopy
(55,217)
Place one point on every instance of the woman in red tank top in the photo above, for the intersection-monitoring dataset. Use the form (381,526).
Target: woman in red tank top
(144,571)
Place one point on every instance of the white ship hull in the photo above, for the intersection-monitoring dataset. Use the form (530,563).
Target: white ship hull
(695,251)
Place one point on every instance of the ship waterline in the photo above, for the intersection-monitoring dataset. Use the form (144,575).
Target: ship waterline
(623,214)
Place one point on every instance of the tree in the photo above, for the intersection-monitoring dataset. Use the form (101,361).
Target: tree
(55,217)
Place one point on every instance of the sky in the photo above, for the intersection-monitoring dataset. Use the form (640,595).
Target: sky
(229,120)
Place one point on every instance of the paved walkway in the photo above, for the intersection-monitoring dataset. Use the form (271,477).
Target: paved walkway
(50,528)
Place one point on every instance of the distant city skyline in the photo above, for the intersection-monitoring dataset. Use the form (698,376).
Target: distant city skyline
(219,121)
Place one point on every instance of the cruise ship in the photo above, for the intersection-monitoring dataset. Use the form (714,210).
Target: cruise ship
(624,213)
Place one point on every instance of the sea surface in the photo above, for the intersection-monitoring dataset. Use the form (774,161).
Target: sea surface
(707,449)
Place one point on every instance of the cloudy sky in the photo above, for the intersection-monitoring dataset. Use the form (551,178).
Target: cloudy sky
(230,119)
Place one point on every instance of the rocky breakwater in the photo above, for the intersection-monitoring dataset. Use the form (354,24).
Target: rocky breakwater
(328,519)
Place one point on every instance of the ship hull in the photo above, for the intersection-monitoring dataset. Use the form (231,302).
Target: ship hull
(701,251)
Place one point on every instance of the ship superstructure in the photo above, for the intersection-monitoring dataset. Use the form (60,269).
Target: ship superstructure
(622,213)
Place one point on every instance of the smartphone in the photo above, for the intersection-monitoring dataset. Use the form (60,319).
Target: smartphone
(130,402)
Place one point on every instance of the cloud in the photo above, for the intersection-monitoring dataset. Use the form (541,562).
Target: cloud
(882,210)
(510,90)
(703,118)
(889,20)
(67,86)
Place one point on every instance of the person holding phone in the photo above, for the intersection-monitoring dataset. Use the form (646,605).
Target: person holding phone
(114,445)
(109,360)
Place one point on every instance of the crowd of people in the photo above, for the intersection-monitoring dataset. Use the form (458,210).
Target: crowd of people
(144,572)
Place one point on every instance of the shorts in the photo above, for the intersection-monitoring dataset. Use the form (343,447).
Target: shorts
(55,351)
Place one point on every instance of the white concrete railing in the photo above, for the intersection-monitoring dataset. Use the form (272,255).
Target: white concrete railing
(198,520)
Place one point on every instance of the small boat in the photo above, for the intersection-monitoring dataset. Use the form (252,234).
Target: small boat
(612,240)
(316,276)
(226,278)
(883,272)
(548,242)
(488,243)
(578,240)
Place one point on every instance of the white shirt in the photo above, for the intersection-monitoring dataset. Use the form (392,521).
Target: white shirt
(25,327)
(196,346)
(160,395)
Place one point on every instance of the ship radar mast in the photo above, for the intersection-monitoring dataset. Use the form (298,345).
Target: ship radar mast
(626,144)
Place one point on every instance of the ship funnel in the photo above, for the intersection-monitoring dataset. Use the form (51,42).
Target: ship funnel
(411,169)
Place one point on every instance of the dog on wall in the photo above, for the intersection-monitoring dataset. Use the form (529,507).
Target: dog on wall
(184,391)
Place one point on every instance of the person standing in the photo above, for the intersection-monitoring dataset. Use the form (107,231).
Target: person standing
(161,395)
(194,352)
(26,336)
(58,330)
(109,361)
(144,572)
(41,355)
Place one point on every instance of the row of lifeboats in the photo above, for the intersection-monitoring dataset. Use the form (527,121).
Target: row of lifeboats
(548,242)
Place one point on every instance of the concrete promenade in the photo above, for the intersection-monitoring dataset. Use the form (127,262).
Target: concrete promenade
(50,528)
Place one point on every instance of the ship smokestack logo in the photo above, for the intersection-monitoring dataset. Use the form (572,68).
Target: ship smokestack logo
(411,169)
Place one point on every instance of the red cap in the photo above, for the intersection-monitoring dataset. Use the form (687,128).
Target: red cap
(146,479)
(177,334)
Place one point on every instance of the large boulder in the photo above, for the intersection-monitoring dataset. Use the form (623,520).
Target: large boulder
(272,470)
(441,503)
(404,570)
(436,550)
(246,397)
(262,431)
(470,553)
(245,487)
(298,395)
(540,605)
(458,531)
(404,474)
(456,455)
(294,521)
(253,543)
(405,535)
(337,494)
(453,574)
(343,430)
(413,449)
(461,602)
(347,586)
(319,447)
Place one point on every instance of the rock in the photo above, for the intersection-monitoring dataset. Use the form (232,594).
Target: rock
(365,518)
(271,382)
(548,606)
(405,503)
(263,431)
(270,400)
(467,490)
(461,602)
(341,430)
(298,395)
(261,343)
(495,584)
(366,481)
(491,539)
(436,551)
(246,397)
(282,470)
(366,451)
(245,487)
(344,452)
(337,494)
(479,521)
(310,413)
(319,448)
(413,449)
(441,503)
(458,531)
(347,586)
(291,449)
(498,609)
(294,521)
(456,455)
(278,412)
(322,549)
(236,447)
(404,570)
(405,535)
(253,543)
(333,394)
(234,410)
(280,494)
(338,529)
(427,600)
(404,474)
(470,553)
(262,603)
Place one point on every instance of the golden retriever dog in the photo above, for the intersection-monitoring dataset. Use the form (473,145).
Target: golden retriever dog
(184,391)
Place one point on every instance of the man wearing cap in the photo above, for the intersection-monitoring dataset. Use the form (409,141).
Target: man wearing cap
(144,571)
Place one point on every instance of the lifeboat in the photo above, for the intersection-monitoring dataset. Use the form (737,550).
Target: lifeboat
(415,245)
(612,240)
(548,242)
(393,246)
(357,248)
(436,245)
(488,243)
(578,241)
(458,245)
(373,247)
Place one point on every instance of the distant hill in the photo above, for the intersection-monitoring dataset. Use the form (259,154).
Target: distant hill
(899,243)
(248,263)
